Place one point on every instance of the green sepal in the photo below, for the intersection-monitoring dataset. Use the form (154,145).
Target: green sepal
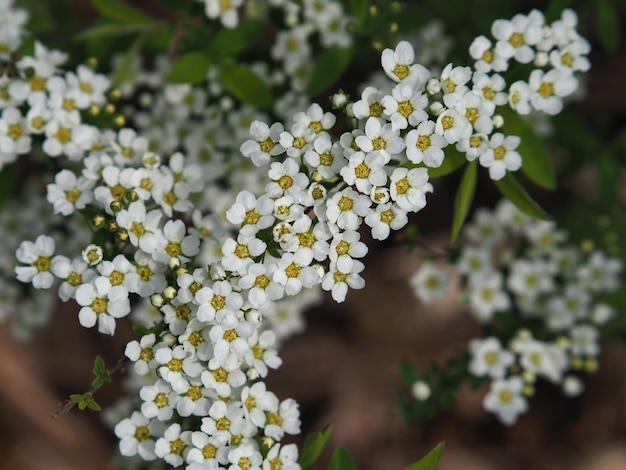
(314,444)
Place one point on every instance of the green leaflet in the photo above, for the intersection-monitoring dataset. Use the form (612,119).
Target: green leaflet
(464,198)
(536,162)
(430,461)
(313,446)
(341,460)
(246,86)
(329,66)
(191,67)
(512,190)
(122,12)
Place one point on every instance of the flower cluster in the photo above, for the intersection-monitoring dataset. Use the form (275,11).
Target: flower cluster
(539,297)
(150,230)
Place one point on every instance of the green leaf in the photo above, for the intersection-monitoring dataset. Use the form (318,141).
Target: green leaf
(140,330)
(231,42)
(77,397)
(512,190)
(122,12)
(97,382)
(608,26)
(341,460)
(93,405)
(245,85)
(536,162)
(464,198)
(190,68)
(104,30)
(98,365)
(609,177)
(430,461)
(82,405)
(123,69)
(313,446)
(328,67)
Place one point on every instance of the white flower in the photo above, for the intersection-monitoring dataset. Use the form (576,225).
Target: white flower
(293,272)
(287,179)
(316,119)
(365,170)
(381,137)
(102,303)
(14,138)
(398,65)
(405,106)
(138,222)
(342,274)
(584,341)
(218,301)
(430,283)
(519,97)
(158,400)
(370,104)
(487,57)
(39,256)
(548,89)
(486,295)
(505,400)
(421,390)
(386,217)
(226,11)
(346,208)
(325,156)
(489,358)
(516,36)
(237,255)
(264,144)
(423,145)
(600,273)
(453,126)
(141,353)
(69,193)
(254,214)
(409,187)
(501,155)
(282,457)
(136,436)
(453,80)
(174,445)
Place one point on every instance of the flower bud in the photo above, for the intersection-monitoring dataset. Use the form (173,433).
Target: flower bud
(498,121)
(420,390)
(174,263)
(433,86)
(541,59)
(169,293)
(436,108)
(157,300)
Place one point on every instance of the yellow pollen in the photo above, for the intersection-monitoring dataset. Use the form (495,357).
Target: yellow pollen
(306,239)
(405,108)
(299,143)
(516,40)
(450,85)
(267,145)
(252,217)
(423,142)
(116,278)
(209,451)
(376,109)
(249,402)
(339,276)
(499,152)
(506,396)
(471,114)
(42,264)
(491,358)
(137,229)
(292,44)
(146,354)
(401,71)
(379,143)
(402,186)
(387,216)
(317,193)
(285,182)
(475,141)
(242,251)
(99,305)
(316,126)
(194,392)
(170,198)
(433,282)
(175,365)
(73,195)
(274,418)
(177,446)
(487,56)
(85,87)
(75,279)
(326,159)
(486,294)
(161,400)
(68,104)
(488,93)
(118,192)
(173,249)
(142,433)
(183,312)
(195,339)
(567,60)
(37,84)
(128,152)
(37,122)
(515,98)
(230,335)
(15,131)
(145,273)
(362,171)
(342,248)
(64,135)
(546,89)
(345,204)
(535,359)
(257,352)
(447,122)
(220,375)
(244,463)
(262,281)
(93,256)
(293,270)
(218,302)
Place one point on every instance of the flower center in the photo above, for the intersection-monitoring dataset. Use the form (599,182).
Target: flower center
(499,152)
(362,171)
(447,122)
(326,159)
(218,302)
(142,433)
(387,216)
(285,182)
(516,40)
(267,145)
(177,446)
(293,270)
(546,89)
(401,71)
(99,305)
(345,204)
(423,142)
(402,186)
(42,264)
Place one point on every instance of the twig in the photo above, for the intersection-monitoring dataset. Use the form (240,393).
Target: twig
(69,404)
